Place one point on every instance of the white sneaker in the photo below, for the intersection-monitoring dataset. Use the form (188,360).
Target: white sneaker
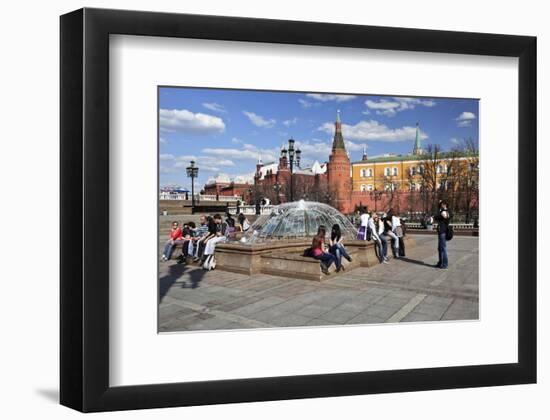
(385,262)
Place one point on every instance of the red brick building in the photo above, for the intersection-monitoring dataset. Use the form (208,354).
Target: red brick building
(222,185)
(329,182)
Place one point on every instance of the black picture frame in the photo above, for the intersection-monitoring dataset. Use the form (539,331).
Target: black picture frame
(84,296)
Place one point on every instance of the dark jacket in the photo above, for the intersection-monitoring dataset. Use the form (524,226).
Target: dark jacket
(442,222)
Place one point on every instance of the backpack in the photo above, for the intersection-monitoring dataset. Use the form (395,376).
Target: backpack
(450,233)
(369,233)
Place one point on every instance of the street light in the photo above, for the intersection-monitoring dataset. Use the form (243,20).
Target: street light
(192,172)
(277,187)
(294,156)
(253,193)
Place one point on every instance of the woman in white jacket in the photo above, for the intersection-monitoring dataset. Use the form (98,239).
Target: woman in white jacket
(380,240)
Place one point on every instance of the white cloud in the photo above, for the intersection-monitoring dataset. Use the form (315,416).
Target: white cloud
(236,140)
(354,147)
(184,121)
(325,97)
(213,106)
(288,123)
(465,119)
(307,104)
(390,107)
(205,163)
(258,120)
(163,140)
(168,170)
(247,152)
(454,140)
(374,131)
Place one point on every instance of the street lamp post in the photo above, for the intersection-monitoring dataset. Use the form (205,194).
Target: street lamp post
(192,172)
(294,156)
(277,187)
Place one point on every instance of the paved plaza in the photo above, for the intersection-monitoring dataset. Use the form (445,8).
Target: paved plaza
(405,290)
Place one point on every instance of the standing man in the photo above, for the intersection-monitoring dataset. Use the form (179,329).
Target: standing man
(443,218)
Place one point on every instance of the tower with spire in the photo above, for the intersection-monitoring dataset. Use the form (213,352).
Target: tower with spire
(339,167)
(365,157)
(417,149)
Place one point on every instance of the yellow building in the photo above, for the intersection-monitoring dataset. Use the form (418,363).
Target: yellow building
(430,170)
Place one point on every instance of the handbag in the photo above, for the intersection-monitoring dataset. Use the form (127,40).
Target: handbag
(399,231)
(362,233)
(450,233)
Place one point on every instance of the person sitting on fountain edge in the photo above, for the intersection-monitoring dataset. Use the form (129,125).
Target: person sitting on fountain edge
(176,238)
(380,240)
(337,247)
(318,251)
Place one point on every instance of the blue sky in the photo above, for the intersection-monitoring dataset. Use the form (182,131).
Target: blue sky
(224,131)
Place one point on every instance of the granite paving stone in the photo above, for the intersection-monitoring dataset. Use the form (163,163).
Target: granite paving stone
(405,290)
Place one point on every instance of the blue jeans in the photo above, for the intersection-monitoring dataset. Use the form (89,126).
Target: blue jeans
(442,250)
(384,240)
(169,247)
(339,251)
(326,258)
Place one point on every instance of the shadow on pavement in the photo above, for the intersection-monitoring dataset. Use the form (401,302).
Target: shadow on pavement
(175,272)
(417,262)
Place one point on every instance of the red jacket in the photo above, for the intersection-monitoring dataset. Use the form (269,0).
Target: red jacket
(176,234)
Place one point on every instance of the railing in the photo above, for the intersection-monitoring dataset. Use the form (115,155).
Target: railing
(199,197)
(456,226)
(249,210)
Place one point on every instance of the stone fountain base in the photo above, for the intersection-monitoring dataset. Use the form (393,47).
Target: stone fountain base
(285,258)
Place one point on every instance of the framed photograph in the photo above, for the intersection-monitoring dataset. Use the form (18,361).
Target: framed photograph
(256,210)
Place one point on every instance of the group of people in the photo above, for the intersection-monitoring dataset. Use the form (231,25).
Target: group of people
(199,242)
(330,253)
(389,229)
(383,230)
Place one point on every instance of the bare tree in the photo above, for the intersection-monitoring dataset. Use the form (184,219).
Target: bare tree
(469,180)
(429,173)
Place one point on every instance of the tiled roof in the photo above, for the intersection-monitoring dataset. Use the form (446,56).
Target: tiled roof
(401,158)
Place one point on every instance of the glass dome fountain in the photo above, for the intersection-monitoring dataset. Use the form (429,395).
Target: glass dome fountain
(297,221)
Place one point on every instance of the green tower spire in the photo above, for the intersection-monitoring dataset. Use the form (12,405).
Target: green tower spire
(417,149)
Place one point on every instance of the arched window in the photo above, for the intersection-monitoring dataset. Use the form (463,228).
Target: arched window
(370,187)
(387,171)
(412,186)
(363,187)
(439,169)
(369,172)
(394,171)
(363,173)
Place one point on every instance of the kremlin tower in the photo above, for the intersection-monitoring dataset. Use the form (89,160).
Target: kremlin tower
(339,168)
